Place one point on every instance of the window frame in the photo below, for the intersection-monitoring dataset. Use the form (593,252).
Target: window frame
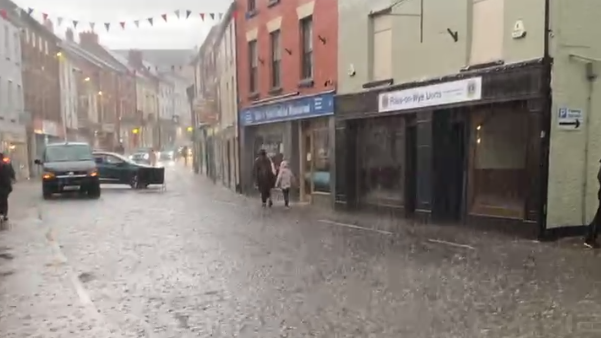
(306,48)
(251,5)
(253,66)
(275,41)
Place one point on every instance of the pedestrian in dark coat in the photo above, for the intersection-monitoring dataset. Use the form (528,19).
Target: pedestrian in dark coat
(7,177)
(593,228)
(264,174)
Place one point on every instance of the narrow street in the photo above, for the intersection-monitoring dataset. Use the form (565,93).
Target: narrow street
(197,260)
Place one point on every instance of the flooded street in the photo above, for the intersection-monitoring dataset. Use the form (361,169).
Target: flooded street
(197,260)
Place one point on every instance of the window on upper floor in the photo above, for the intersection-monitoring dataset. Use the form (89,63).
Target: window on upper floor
(253,66)
(10,100)
(306,30)
(40,44)
(7,41)
(33,38)
(19,98)
(381,51)
(487,31)
(251,5)
(17,50)
(276,59)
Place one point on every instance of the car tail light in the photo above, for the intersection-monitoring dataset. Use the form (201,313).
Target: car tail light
(48,176)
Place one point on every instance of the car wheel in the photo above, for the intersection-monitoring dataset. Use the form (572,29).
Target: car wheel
(94,191)
(133,182)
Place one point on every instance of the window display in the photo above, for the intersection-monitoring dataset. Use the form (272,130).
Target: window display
(499,143)
(381,150)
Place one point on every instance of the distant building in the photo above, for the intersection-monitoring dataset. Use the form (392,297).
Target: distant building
(13,139)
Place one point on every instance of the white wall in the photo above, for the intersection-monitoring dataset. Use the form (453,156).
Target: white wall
(11,83)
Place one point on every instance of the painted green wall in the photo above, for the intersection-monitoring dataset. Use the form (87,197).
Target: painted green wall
(438,54)
(573,186)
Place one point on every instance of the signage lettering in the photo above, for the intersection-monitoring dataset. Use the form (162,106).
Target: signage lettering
(319,105)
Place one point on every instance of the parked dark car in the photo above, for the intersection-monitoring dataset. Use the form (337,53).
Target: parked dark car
(114,168)
(69,166)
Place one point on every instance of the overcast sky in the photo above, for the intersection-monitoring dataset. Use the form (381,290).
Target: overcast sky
(173,34)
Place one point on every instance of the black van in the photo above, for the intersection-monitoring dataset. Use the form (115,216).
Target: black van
(69,166)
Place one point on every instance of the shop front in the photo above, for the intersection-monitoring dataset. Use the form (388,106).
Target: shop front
(463,149)
(298,131)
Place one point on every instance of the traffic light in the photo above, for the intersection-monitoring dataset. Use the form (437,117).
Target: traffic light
(190,129)
(135,131)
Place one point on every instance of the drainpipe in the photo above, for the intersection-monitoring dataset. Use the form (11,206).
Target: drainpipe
(591,76)
(546,126)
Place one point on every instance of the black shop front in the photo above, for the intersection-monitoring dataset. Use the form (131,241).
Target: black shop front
(468,148)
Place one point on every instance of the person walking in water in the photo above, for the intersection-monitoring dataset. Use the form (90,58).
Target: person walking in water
(264,173)
(284,181)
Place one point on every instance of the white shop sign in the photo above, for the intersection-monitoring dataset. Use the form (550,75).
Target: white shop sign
(570,119)
(429,96)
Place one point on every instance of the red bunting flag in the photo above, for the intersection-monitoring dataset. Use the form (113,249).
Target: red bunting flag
(45,16)
(122,23)
(202,16)
(164,16)
(4,14)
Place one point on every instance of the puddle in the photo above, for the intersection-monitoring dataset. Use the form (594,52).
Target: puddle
(86,277)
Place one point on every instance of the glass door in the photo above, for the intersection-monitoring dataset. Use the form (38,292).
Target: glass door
(308,165)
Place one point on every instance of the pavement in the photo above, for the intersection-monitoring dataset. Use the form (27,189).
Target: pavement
(198,260)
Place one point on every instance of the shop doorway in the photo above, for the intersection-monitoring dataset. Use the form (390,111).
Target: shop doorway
(449,157)
(307,165)
(410,167)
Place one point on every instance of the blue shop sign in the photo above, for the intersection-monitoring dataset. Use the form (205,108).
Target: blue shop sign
(294,109)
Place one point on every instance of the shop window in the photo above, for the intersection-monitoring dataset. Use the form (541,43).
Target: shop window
(381,150)
(498,183)
(321,162)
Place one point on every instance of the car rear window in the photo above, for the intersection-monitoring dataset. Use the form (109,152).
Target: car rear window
(68,152)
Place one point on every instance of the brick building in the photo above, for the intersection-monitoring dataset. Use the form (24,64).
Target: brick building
(117,91)
(287,70)
(41,85)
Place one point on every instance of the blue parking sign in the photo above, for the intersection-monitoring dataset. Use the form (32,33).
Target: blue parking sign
(563,113)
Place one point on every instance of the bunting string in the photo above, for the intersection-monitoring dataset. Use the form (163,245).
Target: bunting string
(166,17)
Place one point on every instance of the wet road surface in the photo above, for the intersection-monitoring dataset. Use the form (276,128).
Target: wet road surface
(199,261)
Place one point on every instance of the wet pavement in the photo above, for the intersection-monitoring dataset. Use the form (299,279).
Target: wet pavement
(197,260)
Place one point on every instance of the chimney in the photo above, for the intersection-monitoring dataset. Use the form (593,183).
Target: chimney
(69,35)
(49,25)
(88,38)
(135,58)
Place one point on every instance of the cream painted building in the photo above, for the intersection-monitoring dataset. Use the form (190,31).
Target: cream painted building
(575,154)
(148,103)
(450,100)
(225,46)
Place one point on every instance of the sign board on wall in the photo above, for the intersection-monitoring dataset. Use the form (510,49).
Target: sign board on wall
(292,109)
(430,96)
(570,119)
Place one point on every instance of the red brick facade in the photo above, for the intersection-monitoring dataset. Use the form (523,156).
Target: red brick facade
(41,86)
(325,25)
